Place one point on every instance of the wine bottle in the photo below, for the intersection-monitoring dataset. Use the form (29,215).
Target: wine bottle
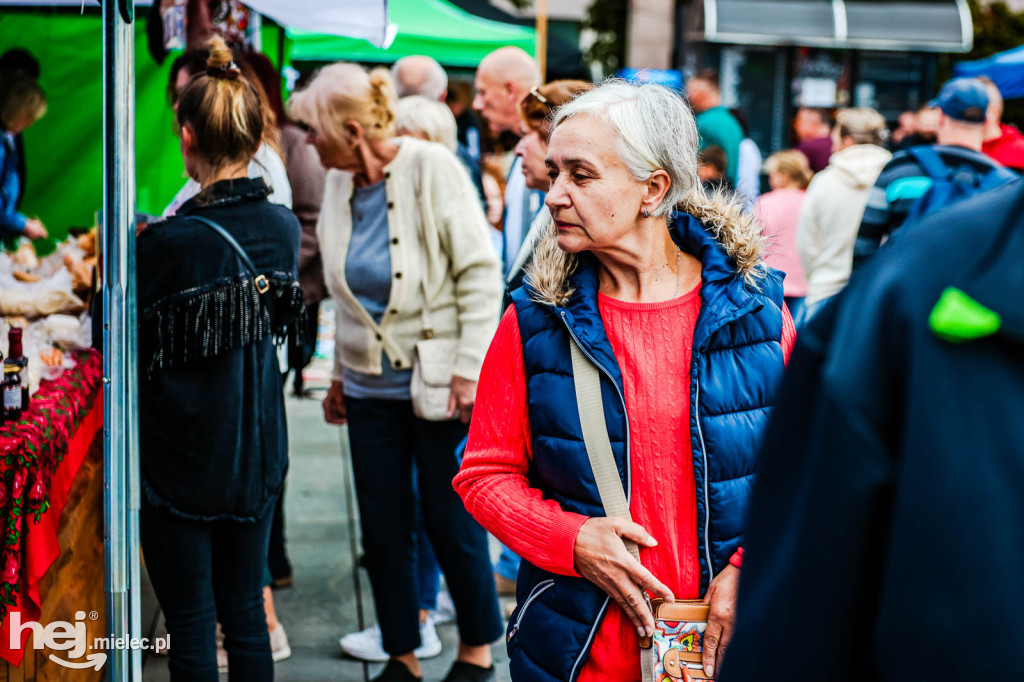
(15,377)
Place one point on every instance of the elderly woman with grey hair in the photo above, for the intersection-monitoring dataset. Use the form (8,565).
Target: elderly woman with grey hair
(663,289)
(406,258)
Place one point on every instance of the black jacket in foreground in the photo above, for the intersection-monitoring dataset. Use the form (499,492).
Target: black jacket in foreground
(212,427)
(886,539)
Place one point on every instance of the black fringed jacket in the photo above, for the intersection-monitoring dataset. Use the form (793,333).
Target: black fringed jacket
(212,427)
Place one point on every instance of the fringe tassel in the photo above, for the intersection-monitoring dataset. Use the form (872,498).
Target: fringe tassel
(203,324)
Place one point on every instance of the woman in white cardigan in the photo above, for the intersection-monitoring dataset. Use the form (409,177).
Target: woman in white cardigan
(401,228)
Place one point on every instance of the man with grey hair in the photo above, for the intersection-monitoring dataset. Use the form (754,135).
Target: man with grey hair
(1003,142)
(420,75)
(503,79)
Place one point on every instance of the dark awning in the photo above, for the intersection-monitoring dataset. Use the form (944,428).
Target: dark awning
(921,25)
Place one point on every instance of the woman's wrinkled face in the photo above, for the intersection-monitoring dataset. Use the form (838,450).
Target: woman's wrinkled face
(532,149)
(594,200)
(333,152)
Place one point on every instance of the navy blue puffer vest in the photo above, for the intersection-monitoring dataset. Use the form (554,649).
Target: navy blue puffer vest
(736,368)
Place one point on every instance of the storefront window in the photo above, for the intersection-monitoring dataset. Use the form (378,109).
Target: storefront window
(892,82)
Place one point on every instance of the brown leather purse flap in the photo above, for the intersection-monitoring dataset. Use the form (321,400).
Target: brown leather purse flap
(689,611)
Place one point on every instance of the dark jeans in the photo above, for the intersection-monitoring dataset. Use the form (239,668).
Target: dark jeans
(386,439)
(277,556)
(300,352)
(203,572)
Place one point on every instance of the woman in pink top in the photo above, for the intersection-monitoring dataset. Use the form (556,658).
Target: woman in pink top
(779,212)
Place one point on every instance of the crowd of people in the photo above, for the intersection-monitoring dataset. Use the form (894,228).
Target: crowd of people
(626,232)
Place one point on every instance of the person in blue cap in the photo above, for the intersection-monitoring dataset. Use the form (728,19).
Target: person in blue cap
(923,179)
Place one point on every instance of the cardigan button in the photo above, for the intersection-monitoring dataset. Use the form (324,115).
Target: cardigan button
(393,311)
(398,275)
(398,364)
(391,205)
(387,175)
(394,240)
(379,337)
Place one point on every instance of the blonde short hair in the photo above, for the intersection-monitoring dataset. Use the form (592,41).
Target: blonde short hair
(21,97)
(863,125)
(434,120)
(344,92)
(791,163)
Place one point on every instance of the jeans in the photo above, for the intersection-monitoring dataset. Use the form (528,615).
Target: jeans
(796,307)
(809,311)
(507,565)
(387,438)
(205,571)
(428,573)
(300,354)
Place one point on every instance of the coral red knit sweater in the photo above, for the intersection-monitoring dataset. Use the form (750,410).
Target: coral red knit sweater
(654,358)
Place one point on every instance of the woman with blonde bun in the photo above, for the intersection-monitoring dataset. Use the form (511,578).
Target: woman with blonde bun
(402,234)
(219,287)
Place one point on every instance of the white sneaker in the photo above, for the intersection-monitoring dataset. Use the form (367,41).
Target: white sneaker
(367,645)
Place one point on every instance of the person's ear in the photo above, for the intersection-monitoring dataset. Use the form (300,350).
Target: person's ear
(354,131)
(657,187)
(188,140)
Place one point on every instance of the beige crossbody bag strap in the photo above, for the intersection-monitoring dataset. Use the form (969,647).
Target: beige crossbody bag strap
(602,461)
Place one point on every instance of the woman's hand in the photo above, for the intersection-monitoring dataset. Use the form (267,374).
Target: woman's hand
(462,398)
(34,229)
(334,405)
(601,557)
(722,597)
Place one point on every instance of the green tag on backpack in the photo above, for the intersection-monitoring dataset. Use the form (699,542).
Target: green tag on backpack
(958,318)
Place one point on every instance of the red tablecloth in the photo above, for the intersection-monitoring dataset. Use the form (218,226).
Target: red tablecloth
(39,458)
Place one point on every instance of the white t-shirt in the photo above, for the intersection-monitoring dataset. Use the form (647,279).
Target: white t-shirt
(266,164)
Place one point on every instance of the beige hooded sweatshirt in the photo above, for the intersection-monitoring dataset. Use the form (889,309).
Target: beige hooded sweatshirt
(831,217)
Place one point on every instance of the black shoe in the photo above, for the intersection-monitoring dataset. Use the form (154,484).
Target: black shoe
(396,672)
(467,672)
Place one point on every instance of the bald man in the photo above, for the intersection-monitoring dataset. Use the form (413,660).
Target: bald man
(420,75)
(503,79)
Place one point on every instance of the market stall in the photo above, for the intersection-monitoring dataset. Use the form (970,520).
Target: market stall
(65,480)
(44,444)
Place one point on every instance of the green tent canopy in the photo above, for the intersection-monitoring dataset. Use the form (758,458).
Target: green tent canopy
(64,150)
(432,27)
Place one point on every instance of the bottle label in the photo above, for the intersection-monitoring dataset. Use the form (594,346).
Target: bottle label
(12,398)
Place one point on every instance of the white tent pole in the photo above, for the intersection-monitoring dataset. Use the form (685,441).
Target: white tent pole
(120,375)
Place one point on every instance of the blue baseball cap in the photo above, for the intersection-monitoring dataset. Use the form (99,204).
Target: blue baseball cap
(964,99)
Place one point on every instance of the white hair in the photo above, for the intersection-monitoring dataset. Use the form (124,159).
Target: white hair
(433,119)
(420,75)
(655,130)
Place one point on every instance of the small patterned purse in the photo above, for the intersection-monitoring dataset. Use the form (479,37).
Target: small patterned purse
(678,640)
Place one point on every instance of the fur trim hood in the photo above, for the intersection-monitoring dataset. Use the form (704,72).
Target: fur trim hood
(722,214)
